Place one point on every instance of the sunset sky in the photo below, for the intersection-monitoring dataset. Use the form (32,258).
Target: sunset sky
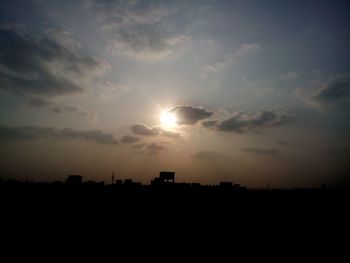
(254,92)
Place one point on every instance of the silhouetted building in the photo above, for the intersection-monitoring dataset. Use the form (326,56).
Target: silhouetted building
(164,178)
(74,179)
(226,185)
(131,183)
(128,181)
(119,182)
(167,177)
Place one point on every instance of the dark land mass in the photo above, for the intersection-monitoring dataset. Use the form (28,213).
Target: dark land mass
(128,212)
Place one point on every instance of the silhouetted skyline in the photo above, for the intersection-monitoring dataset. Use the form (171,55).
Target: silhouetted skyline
(85,212)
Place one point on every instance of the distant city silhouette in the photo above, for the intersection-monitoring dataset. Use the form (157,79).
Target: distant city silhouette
(167,211)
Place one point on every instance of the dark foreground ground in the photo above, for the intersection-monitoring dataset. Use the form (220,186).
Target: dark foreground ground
(43,214)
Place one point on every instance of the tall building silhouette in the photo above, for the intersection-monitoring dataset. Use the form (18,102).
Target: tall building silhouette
(165,177)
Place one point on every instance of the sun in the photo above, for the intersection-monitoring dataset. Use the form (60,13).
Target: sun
(168,119)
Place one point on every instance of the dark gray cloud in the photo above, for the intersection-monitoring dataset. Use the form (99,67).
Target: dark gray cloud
(56,109)
(41,102)
(44,65)
(189,115)
(75,110)
(141,129)
(38,102)
(260,151)
(170,134)
(79,111)
(150,148)
(282,142)
(336,90)
(136,28)
(130,139)
(38,132)
(140,145)
(209,124)
(207,155)
(155,148)
(245,122)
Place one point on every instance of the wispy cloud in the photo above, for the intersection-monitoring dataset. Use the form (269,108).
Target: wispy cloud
(155,148)
(334,92)
(141,129)
(187,114)
(45,65)
(38,102)
(242,122)
(39,132)
(130,139)
(208,155)
(144,130)
(78,110)
(136,28)
(260,151)
(230,58)
(291,75)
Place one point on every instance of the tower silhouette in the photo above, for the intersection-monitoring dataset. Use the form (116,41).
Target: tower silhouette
(113,177)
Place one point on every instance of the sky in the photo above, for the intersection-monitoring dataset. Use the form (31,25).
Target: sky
(253,92)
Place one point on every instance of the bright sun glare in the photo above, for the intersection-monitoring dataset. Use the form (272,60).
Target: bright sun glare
(168,119)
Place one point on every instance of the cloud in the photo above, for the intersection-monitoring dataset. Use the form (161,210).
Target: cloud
(245,122)
(38,132)
(155,148)
(209,124)
(260,151)
(291,75)
(240,122)
(334,91)
(41,102)
(147,45)
(140,145)
(130,139)
(141,129)
(73,109)
(38,102)
(44,65)
(219,64)
(136,28)
(79,111)
(207,155)
(56,109)
(231,57)
(189,115)
(170,134)
(64,38)
(282,142)
(247,48)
